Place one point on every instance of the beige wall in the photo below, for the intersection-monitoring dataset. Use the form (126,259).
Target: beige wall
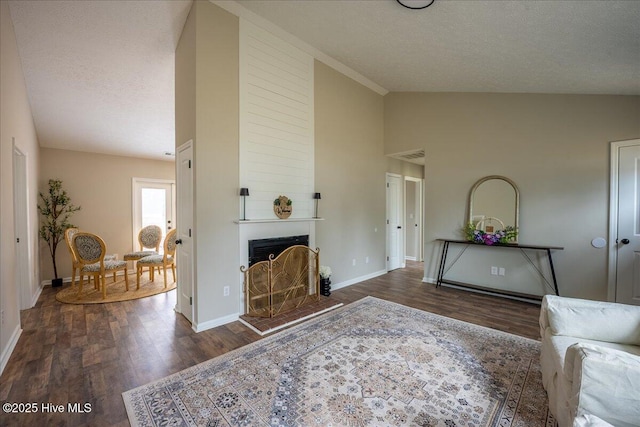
(350,174)
(185,82)
(403,168)
(15,122)
(207,67)
(556,149)
(102,185)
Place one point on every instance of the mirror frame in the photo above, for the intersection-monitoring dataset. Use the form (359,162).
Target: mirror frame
(508,181)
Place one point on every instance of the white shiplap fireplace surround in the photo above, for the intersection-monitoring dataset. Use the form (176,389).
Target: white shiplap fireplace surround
(276,138)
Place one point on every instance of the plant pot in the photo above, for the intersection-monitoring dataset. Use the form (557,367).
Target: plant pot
(56,283)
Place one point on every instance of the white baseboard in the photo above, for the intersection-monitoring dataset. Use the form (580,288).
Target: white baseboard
(433,281)
(34,300)
(68,279)
(11,345)
(199,327)
(410,258)
(233,317)
(355,280)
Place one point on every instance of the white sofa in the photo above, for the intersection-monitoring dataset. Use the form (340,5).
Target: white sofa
(590,361)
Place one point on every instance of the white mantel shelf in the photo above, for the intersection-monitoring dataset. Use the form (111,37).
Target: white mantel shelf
(259,221)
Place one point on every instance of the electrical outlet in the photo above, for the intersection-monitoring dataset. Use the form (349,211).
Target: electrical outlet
(226,291)
(501,271)
(494,270)
(366,260)
(354,262)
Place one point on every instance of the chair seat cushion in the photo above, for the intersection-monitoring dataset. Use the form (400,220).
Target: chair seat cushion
(153,259)
(108,265)
(134,256)
(111,257)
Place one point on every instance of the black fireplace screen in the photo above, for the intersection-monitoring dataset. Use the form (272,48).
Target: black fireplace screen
(259,250)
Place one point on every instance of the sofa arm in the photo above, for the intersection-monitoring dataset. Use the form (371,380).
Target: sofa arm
(592,320)
(605,382)
(588,420)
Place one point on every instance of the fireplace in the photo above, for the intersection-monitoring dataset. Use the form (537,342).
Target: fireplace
(260,249)
(282,283)
(260,232)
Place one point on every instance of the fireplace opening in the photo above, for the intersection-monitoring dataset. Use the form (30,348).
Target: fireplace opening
(259,250)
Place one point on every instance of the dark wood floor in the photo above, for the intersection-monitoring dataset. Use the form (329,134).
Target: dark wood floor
(93,353)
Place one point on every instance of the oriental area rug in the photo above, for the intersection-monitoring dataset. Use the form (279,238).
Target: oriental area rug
(370,363)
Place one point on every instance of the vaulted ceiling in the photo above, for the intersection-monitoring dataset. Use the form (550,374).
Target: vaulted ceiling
(100,74)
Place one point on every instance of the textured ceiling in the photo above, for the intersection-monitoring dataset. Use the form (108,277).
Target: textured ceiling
(100,74)
(582,47)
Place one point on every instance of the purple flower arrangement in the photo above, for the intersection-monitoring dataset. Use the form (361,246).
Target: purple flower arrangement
(500,237)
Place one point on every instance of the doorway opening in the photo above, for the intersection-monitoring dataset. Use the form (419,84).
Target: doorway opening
(153,204)
(413,208)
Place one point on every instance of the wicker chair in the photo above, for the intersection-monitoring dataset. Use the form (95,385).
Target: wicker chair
(75,266)
(90,250)
(149,237)
(168,259)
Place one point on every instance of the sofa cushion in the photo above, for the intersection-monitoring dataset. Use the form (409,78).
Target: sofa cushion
(560,344)
(605,383)
(593,320)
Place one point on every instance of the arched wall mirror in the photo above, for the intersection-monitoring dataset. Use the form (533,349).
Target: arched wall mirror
(494,204)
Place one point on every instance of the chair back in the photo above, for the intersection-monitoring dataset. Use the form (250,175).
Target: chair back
(150,237)
(89,248)
(170,243)
(68,238)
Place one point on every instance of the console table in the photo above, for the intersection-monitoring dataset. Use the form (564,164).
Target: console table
(442,270)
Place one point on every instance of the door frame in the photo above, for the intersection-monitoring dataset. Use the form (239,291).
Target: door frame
(135,183)
(420,214)
(613,215)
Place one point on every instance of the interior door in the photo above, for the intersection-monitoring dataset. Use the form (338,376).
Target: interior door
(394,222)
(21,229)
(628,238)
(184,235)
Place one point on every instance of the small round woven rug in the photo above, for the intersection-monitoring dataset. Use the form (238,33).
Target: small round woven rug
(115,291)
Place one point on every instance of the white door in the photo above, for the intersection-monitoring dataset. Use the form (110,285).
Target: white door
(184,257)
(628,236)
(153,204)
(20,216)
(394,222)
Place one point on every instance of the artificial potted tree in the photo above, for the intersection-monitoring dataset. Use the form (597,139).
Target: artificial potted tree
(56,208)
